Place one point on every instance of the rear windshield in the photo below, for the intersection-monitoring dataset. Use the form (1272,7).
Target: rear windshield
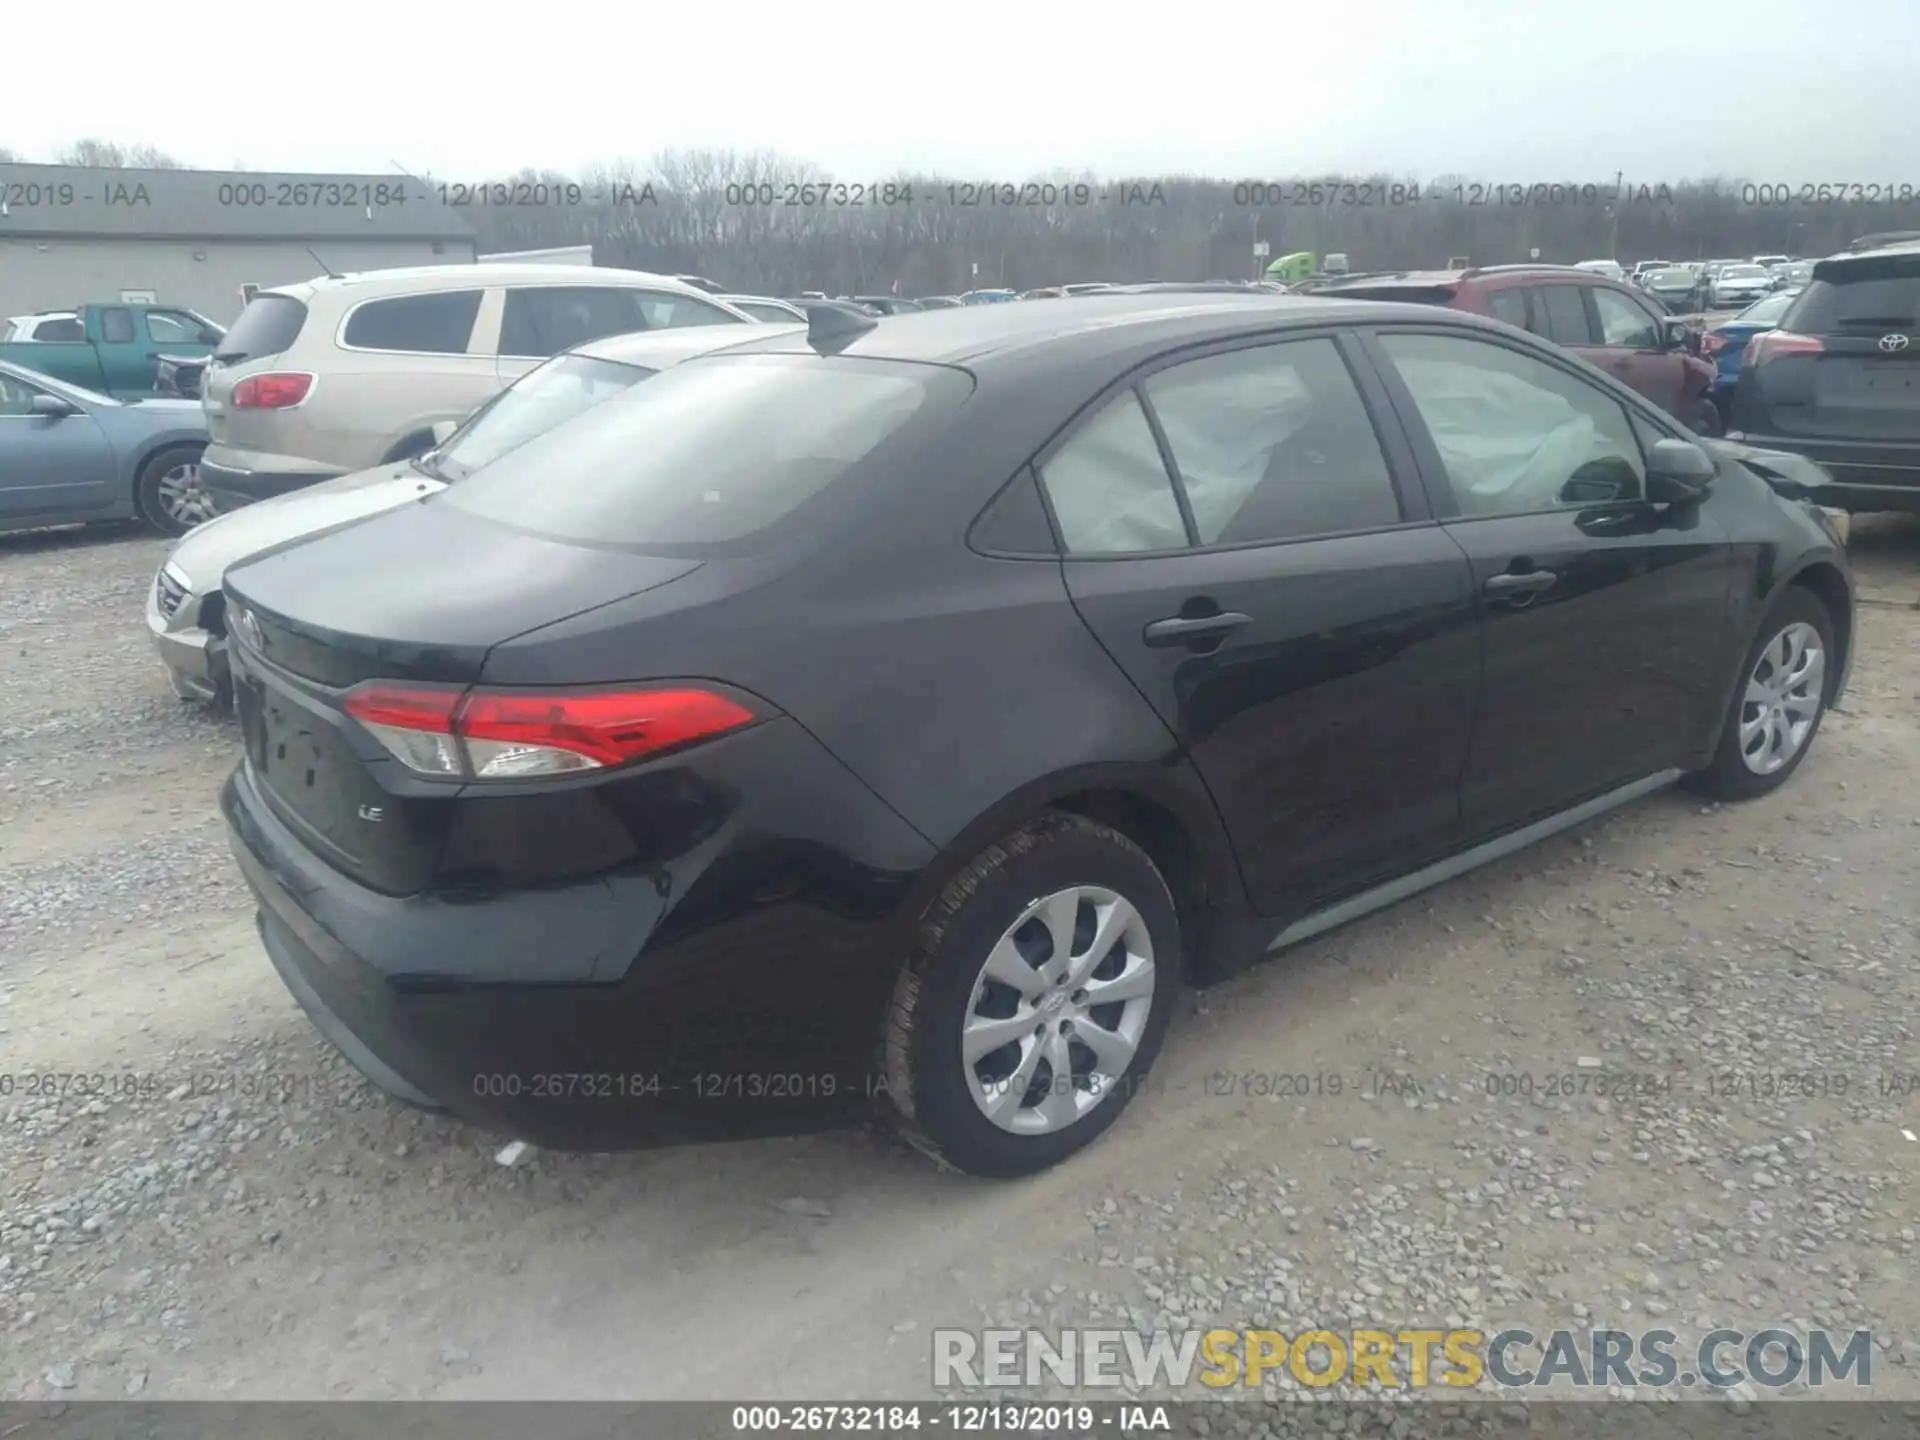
(1862,295)
(540,400)
(1411,294)
(1744,272)
(268,326)
(707,453)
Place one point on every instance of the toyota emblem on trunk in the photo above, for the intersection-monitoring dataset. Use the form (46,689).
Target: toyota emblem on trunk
(1893,344)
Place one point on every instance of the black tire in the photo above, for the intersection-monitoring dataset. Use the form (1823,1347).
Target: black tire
(1729,777)
(928,1083)
(146,489)
(1703,417)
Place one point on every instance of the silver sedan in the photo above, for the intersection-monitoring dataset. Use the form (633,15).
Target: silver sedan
(68,455)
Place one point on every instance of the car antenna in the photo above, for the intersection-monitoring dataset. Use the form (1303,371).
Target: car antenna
(325,269)
(831,329)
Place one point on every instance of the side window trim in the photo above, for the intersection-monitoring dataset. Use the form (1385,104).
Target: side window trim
(1396,447)
(1433,469)
(1168,463)
(1025,481)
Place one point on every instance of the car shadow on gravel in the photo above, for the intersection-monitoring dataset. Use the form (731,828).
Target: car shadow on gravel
(56,539)
(1885,550)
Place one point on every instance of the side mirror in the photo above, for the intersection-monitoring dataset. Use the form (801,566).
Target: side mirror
(52,406)
(1678,472)
(443,432)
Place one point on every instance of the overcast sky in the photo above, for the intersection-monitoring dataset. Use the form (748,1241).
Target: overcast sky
(1497,91)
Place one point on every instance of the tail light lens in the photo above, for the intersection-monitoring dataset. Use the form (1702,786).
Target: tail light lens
(276,390)
(1771,344)
(519,734)
(1712,344)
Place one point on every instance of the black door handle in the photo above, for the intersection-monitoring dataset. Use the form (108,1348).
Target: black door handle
(1528,583)
(1189,630)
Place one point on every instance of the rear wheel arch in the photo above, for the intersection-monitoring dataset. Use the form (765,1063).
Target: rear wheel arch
(1180,833)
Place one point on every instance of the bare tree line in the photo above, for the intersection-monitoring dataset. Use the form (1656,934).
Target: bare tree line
(751,221)
(765,222)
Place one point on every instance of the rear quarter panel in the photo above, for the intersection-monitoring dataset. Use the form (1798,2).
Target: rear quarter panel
(365,402)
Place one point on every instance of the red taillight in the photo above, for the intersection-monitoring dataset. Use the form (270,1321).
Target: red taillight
(511,734)
(1712,344)
(1772,344)
(271,392)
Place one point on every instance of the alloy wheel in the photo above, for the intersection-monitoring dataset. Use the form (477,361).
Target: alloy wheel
(1782,699)
(1058,1010)
(183,500)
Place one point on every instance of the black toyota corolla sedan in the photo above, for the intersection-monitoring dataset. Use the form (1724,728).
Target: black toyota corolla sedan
(896,714)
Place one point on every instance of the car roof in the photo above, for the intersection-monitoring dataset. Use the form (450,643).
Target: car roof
(1903,250)
(1393,280)
(455,277)
(975,335)
(659,348)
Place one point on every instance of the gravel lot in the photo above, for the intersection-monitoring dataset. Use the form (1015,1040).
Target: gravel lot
(237,1215)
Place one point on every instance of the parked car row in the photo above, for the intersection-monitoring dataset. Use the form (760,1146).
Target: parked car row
(69,453)
(950,687)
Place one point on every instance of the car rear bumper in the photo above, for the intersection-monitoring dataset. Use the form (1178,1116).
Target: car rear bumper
(240,477)
(744,1009)
(1867,475)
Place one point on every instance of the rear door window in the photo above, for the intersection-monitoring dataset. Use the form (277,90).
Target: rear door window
(1509,305)
(539,321)
(1565,313)
(708,453)
(437,324)
(1273,443)
(116,326)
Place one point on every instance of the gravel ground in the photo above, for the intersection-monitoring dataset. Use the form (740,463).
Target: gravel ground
(1364,1133)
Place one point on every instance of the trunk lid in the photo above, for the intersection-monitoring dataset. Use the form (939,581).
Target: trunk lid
(423,594)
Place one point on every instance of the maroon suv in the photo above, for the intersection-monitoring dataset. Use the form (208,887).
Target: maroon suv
(1609,325)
